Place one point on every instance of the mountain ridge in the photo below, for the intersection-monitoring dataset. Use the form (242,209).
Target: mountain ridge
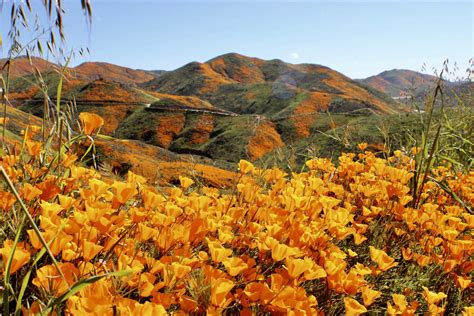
(225,109)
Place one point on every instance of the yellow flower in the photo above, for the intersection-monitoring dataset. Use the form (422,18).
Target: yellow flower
(49,279)
(185,182)
(180,270)
(29,192)
(296,267)
(218,252)
(258,292)
(246,167)
(463,282)
(124,191)
(362,146)
(90,250)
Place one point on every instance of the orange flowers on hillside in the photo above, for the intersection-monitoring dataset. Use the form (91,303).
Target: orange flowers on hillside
(305,243)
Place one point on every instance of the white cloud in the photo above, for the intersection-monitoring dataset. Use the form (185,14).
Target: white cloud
(295,55)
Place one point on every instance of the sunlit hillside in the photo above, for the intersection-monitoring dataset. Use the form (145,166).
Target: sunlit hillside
(267,185)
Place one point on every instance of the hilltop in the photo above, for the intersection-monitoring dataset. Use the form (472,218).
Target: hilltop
(291,94)
(399,82)
(107,71)
(248,85)
(85,71)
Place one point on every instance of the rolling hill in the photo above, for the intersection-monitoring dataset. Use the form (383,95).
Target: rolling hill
(225,109)
(21,66)
(272,88)
(399,82)
(106,71)
(86,71)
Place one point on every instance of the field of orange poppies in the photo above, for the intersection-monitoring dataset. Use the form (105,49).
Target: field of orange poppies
(328,240)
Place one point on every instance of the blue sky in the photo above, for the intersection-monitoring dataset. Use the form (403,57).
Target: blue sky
(357,38)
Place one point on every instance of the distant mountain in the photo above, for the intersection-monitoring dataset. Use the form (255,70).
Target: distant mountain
(156,73)
(399,82)
(273,88)
(85,71)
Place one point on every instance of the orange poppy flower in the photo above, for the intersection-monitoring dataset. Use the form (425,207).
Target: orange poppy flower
(98,187)
(369,295)
(468,311)
(383,260)
(34,148)
(90,250)
(219,290)
(68,159)
(433,297)
(256,292)
(148,308)
(124,191)
(90,122)
(29,192)
(234,265)
(185,182)
(20,257)
(463,282)
(362,146)
(246,167)
(353,308)
(400,301)
(180,270)
(218,252)
(282,251)
(6,201)
(48,278)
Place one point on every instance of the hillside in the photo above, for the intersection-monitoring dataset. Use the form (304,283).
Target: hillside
(107,71)
(117,156)
(22,66)
(272,88)
(230,107)
(399,82)
(209,134)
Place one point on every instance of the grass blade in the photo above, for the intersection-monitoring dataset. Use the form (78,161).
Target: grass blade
(78,286)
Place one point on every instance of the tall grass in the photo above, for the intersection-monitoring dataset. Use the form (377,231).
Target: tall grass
(24,21)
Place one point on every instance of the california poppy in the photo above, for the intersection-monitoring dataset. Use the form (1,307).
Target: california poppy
(90,122)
